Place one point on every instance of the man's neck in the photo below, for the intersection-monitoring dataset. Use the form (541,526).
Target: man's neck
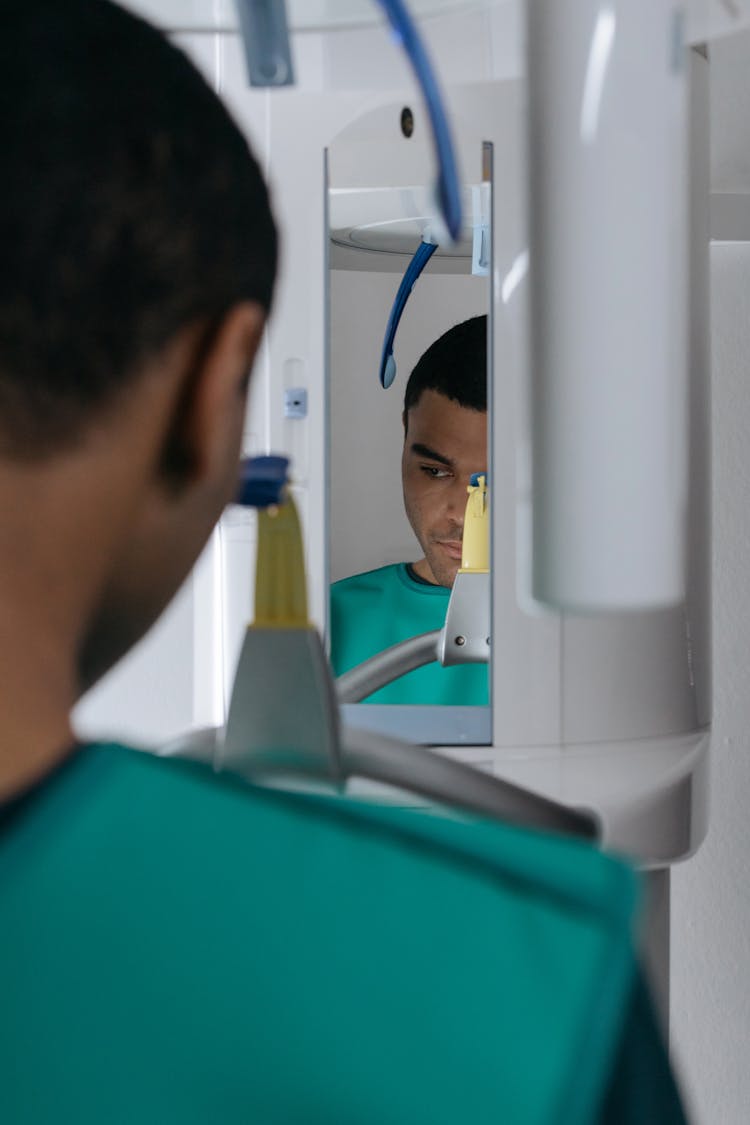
(35,731)
(44,599)
(423,571)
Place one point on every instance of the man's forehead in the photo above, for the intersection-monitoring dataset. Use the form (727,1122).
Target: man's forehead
(436,419)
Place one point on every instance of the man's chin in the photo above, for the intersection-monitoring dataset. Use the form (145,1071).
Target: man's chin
(443,575)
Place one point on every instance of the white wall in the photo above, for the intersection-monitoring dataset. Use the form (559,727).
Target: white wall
(148,697)
(711,893)
(710,977)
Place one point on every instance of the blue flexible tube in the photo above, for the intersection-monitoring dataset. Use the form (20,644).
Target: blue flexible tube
(448,190)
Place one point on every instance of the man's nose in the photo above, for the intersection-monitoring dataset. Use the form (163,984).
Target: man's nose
(458,495)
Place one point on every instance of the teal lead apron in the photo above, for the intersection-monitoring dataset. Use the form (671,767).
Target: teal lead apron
(177,947)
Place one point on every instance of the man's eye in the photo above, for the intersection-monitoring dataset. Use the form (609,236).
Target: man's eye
(434,472)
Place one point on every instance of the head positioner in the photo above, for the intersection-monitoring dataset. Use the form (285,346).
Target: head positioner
(130,207)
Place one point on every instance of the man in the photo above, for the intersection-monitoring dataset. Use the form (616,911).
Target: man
(176,947)
(445,442)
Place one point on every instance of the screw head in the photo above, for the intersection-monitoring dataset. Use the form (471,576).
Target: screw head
(460,641)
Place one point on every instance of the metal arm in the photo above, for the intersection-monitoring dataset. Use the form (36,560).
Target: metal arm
(419,770)
(267,739)
(355,685)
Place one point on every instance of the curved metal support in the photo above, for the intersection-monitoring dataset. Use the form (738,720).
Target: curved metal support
(353,686)
(388,762)
(416,769)
(419,770)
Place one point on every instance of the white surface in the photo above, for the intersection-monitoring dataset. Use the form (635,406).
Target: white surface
(730,120)
(395,220)
(715,19)
(711,902)
(609,181)
(649,797)
(302,15)
(707,19)
(468,40)
(149,697)
(730,217)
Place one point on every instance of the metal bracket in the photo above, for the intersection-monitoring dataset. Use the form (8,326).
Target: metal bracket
(295,402)
(265,32)
(465,638)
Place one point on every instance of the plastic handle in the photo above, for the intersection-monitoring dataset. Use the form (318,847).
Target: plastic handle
(280,582)
(475,554)
(425,250)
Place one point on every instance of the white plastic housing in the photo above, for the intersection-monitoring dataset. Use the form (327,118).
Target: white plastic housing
(609,180)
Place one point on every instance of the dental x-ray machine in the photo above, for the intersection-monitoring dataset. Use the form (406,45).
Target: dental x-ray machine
(580,150)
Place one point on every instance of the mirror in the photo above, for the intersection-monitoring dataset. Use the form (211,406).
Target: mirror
(374,229)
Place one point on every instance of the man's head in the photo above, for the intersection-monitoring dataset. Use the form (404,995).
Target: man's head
(445,441)
(138,261)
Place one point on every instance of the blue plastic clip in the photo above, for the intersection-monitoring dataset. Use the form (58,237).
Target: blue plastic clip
(262,481)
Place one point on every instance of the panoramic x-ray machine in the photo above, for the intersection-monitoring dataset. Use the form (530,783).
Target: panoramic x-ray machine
(581,158)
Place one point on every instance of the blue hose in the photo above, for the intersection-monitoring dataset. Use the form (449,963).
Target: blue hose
(448,190)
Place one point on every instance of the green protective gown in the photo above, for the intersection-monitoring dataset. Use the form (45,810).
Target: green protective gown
(178,948)
(372,611)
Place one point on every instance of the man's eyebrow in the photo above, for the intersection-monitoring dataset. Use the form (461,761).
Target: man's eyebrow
(430,454)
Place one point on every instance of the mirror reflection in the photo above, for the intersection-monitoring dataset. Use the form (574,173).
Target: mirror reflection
(402,460)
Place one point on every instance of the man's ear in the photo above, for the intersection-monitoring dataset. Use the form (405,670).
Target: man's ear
(207,420)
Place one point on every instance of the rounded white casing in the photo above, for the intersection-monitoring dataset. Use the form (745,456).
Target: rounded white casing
(608,182)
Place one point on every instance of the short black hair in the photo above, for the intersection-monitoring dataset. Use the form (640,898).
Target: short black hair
(455,365)
(130,207)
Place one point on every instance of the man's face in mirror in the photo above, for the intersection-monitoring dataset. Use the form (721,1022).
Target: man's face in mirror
(444,444)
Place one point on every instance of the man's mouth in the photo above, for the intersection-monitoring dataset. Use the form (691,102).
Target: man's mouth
(452,548)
